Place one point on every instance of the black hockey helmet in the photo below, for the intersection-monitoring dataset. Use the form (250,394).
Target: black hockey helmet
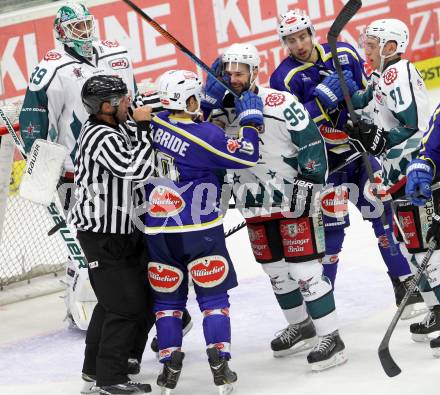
(102,88)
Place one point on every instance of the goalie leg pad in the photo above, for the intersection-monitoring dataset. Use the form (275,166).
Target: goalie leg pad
(286,291)
(318,295)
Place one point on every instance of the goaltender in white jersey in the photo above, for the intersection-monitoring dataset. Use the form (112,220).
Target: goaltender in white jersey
(52,110)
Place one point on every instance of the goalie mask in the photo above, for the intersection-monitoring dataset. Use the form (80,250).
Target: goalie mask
(176,87)
(100,89)
(385,30)
(74,26)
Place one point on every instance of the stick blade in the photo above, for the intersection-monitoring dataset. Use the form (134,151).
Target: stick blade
(344,16)
(389,366)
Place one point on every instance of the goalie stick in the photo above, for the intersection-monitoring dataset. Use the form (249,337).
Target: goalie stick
(55,214)
(178,45)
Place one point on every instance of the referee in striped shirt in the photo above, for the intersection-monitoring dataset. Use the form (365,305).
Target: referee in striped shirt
(113,155)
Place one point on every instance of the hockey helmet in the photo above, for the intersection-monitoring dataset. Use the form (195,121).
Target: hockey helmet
(74,26)
(294,21)
(176,87)
(102,88)
(389,30)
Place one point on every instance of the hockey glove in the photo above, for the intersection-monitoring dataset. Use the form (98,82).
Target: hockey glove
(329,91)
(418,181)
(434,229)
(249,109)
(366,137)
(213,92)
(304,196)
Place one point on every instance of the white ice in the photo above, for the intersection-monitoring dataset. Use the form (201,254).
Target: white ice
(39,356)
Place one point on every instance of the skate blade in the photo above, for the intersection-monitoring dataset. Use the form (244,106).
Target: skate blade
(303,345)
(89,388)
(187,328)
(436,352)
(166,391)
(337,359)
(413,310)
(420,338)
(225,389)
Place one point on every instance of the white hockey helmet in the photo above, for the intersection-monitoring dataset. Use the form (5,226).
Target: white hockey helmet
(176,87)
(294,21)
(389,30)
(242,53)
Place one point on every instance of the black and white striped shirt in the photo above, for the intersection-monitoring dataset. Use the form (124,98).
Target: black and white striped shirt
(110,165)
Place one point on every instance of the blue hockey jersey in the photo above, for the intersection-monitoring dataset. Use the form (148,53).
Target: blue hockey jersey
(300,79)
(430,150)
(185,194)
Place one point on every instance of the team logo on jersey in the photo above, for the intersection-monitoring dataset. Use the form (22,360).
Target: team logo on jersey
(52,55)
(343,59)
(232,145)
(164,278)
(117,64)
(110,44)
(332,135)
(390,76)
(165,202)
(275,99)
(209,271)
(334,202)
(77,72)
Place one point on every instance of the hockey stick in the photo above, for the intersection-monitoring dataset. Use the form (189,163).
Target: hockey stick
(389,365)
(173,40)
(344,16)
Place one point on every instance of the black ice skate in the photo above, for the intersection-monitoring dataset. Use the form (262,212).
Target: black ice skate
(89,384)
(171,372)
(293,339)
(415,305)
(435,347)
(128,388)
(420,331)
(328,352)
(223,376)
(134,366)
(187,324)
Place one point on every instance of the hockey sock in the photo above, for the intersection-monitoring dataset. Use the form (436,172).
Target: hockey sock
(330,268)
(216,322)
(169,327)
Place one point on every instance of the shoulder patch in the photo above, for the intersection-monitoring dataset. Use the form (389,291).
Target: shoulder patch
(275,99)
(390,76)
(52,55)
(109,43)
(118,64)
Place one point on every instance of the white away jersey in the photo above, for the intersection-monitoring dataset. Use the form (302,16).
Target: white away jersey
(290,145)
(52,107)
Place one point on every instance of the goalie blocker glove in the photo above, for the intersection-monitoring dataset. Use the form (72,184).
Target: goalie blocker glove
(366,137)
(419,177)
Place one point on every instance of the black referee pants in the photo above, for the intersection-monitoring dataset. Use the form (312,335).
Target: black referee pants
(123,316)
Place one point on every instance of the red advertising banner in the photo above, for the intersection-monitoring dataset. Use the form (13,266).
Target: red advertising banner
(206,27)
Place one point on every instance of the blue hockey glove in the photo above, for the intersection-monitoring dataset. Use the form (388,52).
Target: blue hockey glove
(249,109)
(366,137)
(213,91)
(351,84)
(418,181)
(329,91)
